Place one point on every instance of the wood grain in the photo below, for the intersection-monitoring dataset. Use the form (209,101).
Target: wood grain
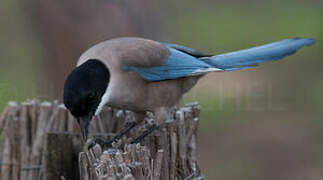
(41,140)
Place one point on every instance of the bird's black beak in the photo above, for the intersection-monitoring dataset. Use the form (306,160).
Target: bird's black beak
(84,122)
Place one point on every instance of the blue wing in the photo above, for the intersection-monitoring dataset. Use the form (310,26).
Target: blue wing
(178,64)
(183,61)
(186,50)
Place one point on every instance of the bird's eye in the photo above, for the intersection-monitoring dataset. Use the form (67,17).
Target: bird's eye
(91,96)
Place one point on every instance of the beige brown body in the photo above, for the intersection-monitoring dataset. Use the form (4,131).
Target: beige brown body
(128,90)
(144,75)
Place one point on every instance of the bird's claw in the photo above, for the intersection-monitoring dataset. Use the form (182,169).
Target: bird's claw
(103,143)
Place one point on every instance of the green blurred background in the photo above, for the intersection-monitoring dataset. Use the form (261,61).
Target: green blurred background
(263,123)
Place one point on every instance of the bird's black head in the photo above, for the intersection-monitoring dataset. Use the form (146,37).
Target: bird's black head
(83,91)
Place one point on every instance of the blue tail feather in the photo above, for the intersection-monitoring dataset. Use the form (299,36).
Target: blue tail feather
(249,58)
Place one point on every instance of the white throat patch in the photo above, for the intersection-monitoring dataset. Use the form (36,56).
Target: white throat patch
(104,101)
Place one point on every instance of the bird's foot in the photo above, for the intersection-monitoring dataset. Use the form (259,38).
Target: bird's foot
(105,144)
(144,134)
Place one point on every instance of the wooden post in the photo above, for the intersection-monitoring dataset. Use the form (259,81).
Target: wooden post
(42,141)
(166,154)
(60,156)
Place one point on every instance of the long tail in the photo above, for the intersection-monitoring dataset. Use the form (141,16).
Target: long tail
(249,58)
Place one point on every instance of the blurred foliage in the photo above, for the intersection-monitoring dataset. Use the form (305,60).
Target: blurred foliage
(209,26)
(22,57)
(219,27)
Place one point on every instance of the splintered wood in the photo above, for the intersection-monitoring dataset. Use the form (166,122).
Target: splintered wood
(23,131)
(166,154)
(41,140)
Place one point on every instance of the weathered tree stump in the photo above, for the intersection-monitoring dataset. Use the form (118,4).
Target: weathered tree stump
(166,154)
(42,141)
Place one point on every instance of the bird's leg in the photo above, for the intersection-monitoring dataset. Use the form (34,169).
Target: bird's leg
(146,133)
(108,143)
(161,116)
(129,125)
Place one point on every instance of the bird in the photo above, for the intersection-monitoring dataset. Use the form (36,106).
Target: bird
(144,75)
